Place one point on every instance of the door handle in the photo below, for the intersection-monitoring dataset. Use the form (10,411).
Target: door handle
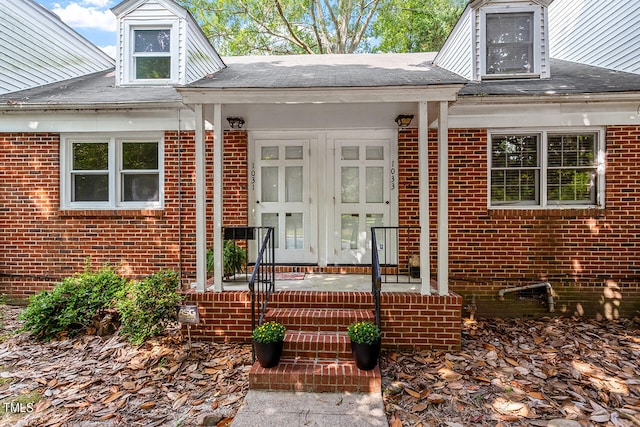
(387,202)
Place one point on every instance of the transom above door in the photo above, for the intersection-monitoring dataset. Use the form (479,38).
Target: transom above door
(322,194)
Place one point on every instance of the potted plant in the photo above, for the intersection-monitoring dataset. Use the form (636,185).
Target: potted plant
(268,340)
(365,344)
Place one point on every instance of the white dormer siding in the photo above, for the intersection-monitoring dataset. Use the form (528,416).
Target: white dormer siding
(184,46)
(466,50)
(603,33)
(37,48)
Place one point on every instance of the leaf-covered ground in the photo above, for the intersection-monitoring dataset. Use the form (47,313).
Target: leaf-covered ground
(548,372)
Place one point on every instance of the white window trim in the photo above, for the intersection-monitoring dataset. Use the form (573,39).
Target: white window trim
(543,136)
(537,38)
(115,174)
(129,74)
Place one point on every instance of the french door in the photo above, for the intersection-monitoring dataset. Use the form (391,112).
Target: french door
(280,197)
(322,193)
(362,196)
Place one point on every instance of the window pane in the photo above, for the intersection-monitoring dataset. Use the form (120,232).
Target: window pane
(152,40)
(90,156)
(514,151)
(269,153)
(90,188)
(293,183)
(293,152)
(269,184)
(350,184)
(571,150)
(349,231)
(350,153)
(509,39)
(375,153)
(140,187)
(139,155)
(293,231)
(271,220)
(375,184)
(571,185)
(153,67)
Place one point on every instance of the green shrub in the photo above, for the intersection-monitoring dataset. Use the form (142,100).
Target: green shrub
(146,307)
(234,258)
(73,304)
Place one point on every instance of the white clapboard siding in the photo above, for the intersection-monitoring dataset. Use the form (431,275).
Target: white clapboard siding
(457,53)
(196,56)
(37,48)
(603,33)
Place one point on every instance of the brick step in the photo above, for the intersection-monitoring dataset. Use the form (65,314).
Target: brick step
(316,345)
(321,299)
(314,319)
(315,376)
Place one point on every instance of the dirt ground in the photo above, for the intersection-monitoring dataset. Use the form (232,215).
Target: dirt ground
(547,372)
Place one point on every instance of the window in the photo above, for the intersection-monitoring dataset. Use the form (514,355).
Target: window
(111,172)
(546,169)
(511,42)
(151,53)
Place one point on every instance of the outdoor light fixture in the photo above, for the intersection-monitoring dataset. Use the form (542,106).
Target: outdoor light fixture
(404,120)
(235,122)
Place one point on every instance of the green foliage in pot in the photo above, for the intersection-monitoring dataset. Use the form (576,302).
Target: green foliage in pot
(234,259)
(269,332)
(364,332)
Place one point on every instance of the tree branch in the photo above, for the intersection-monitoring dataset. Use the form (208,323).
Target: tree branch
(293,34)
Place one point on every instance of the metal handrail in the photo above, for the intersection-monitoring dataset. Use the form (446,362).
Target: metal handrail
(264,275)
(376,277)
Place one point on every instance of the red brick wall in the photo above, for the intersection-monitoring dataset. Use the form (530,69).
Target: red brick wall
(408,320)
(590,256)
(42,244)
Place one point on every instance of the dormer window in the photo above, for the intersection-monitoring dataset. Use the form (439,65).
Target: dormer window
(510,42)
(152,53)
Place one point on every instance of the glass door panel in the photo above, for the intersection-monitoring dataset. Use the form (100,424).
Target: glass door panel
(363,196)
(281,199)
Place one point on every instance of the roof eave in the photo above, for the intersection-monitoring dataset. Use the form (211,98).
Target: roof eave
(549,98)
(320,95)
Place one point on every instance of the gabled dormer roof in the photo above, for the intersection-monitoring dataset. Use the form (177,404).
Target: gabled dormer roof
(192,55)
(466,50)
(37,48)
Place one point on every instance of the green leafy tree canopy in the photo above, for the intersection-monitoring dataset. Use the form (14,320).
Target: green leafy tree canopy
(272,27)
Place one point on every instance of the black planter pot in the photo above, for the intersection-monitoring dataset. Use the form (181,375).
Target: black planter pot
(268,354)
(366,355)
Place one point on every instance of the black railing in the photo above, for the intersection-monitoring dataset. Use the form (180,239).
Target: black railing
(376,277)
(262,282)
(397,251)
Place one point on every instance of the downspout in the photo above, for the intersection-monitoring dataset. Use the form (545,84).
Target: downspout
(547,285)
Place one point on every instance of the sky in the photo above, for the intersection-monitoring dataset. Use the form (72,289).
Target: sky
(93,19)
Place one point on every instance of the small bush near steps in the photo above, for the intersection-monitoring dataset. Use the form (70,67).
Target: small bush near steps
(97,301)
(148,306)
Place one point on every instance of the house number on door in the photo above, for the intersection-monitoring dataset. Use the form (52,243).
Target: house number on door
(393,175)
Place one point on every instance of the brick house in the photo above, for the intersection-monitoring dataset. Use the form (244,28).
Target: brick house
(517,167)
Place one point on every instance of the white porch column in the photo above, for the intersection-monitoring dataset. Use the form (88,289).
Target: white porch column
(443,198)
(201,201)
(218,185)
(423,170)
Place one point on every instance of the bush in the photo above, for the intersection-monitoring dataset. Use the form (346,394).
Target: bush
(73,304)
(234,258)
(364,332)
(148,306)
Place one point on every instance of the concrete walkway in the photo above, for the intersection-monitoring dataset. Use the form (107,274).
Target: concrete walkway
(297,409)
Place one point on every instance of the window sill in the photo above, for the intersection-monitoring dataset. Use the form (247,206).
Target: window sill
(541,213)
(111,213)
